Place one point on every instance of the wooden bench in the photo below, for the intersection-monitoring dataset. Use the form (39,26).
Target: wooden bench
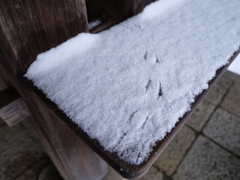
(29,28)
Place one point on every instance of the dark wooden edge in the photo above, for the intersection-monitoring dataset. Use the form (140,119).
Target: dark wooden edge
(124,168)
(7,96)
(106,23)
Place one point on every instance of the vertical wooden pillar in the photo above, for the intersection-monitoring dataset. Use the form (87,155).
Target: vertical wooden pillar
(30,27)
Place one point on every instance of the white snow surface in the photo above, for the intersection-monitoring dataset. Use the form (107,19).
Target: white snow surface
(94,24)
(129,85)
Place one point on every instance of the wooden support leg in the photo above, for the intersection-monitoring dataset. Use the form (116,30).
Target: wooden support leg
(72,157)
(75,159)
(28,28)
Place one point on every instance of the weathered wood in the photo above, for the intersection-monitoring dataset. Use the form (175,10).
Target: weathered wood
(76,157)
(105,24)
(115,9)
(18,117)
(8,96)
(9,108)
(28,28)
(12,107)
(123,9)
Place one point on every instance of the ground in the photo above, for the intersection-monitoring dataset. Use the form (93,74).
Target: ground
(207,147)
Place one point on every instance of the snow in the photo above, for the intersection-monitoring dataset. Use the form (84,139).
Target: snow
(128,86)
(94,24)
(235,66)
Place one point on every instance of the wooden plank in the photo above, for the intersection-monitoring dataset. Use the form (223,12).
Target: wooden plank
(121,10)
(12,108)
(105,24)
(31,27)
(78,159)
(118,10)
(7,96)
(18,117)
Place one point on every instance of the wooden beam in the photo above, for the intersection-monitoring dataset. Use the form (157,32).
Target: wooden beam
(12,107)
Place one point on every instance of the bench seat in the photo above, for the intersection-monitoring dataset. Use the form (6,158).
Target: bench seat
(127,90)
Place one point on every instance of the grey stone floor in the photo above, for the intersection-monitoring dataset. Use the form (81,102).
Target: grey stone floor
(207,147)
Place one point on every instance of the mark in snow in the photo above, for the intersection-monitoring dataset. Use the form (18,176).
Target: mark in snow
(148,84)
(132,115)
(160,91)
(145,56)
(157,60)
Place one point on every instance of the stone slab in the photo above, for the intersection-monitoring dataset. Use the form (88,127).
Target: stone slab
(152,174)
(224,128)
(231,101)
(207,161)
(218,91)
(173,154)
(233,76)
(112,174)
(34,172)
(19,150)
(200,116)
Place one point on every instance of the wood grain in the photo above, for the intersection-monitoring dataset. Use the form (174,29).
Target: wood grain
(123,9)
(32,27)
(118,10)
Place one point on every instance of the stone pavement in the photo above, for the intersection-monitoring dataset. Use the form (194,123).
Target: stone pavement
(207,147)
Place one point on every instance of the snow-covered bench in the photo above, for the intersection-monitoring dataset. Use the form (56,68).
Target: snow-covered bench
(130,88)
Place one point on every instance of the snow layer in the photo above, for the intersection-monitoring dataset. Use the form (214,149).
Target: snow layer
(129,85)
(94,24)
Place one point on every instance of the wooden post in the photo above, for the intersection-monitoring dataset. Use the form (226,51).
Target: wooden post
(27,28)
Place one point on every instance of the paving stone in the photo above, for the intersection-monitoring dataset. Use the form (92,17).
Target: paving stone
(207,161)
(152,174)
(50,173)
(173,154)
(224,128)
(43,168)
(233,76)
(19,150)
(112,174)
(28,175)
(218,91)
(231,101)
(201,115)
